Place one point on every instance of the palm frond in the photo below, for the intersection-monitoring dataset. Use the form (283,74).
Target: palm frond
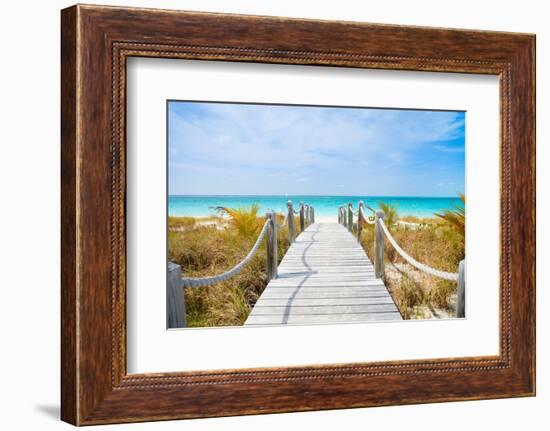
(390,214)
(456,216)
(245,220)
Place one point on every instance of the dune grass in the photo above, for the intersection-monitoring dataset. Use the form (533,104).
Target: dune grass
(181,222)
(435,242)
(206,249)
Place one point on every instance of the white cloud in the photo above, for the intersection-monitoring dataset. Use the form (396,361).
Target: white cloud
(264,140)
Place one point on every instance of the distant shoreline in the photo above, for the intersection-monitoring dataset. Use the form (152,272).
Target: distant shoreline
(325,206)
(317,196)
(206,220)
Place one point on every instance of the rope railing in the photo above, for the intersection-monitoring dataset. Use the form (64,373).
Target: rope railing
(451,276)
(368,219)
(370,209)
(271,226)
(209,281)
(346,218)
(281,225)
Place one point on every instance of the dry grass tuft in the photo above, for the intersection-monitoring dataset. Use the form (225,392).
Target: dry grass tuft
(437,243)
(204,250)
(181,222)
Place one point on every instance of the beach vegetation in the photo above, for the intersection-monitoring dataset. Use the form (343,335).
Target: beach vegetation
(437,242)
(245,220)
(390,214)
(181,222)
(206,249)
(456,216)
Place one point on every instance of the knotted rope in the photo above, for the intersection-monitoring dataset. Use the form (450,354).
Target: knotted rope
(368,219)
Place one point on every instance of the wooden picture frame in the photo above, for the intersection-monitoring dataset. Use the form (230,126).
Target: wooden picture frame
(95,42)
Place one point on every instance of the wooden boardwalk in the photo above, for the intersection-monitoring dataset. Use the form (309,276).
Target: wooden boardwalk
(325,277)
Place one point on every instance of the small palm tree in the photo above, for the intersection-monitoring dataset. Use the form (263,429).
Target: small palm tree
(390,214)
(245,220)
(456,216)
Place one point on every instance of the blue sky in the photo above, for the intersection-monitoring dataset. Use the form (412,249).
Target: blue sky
(241,149)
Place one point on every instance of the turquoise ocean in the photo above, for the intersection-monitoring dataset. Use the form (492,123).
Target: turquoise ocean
(325,206)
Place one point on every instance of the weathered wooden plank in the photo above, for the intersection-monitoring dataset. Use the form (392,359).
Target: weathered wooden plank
(297,272)
(350,261)
(325,277)
(310,310)
(312,294)
(318,265)
(328,300)
(330,283)
(328,287)
(297,294)
(319,273)
(323,319)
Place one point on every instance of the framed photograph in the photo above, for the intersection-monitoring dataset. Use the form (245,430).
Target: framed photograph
(323,214)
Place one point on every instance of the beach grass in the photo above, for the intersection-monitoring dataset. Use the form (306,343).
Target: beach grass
(432,241)
(203,248)
(181,222)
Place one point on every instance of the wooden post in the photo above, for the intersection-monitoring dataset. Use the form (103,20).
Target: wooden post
(312,215)
(271,245)
(290,221)
(175,299)
(302,221)
(461,289)
(344,217)
(350,217)
(359,222)
(378,246)
(306,217)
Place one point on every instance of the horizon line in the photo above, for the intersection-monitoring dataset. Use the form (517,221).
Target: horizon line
(316,195)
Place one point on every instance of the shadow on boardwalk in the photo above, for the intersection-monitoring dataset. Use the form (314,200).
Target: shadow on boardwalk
(325,277)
